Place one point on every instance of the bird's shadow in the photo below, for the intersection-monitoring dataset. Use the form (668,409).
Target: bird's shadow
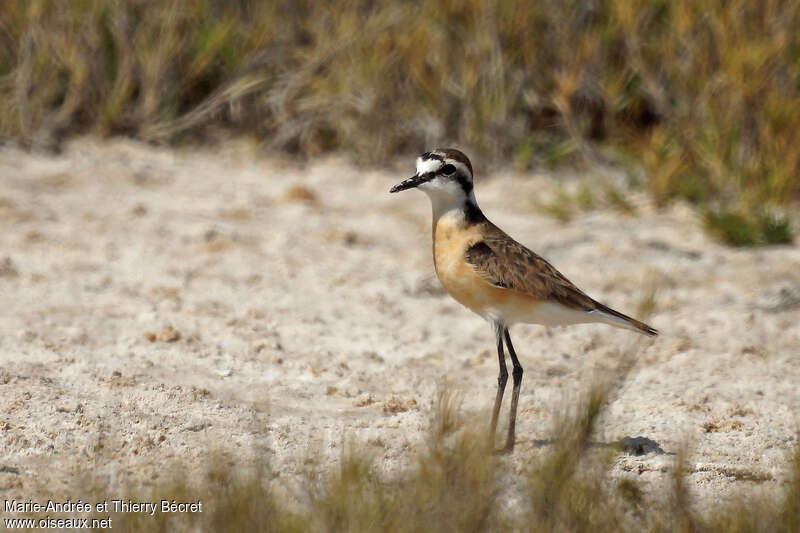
(636,446)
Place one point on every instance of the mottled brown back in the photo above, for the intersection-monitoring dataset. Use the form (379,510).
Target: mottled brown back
(505,263)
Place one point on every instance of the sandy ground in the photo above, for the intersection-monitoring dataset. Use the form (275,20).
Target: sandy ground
(161,305)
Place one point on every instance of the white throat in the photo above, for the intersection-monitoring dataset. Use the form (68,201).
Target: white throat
(447,199)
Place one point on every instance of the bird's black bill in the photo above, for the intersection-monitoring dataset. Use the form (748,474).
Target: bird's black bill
(413,181)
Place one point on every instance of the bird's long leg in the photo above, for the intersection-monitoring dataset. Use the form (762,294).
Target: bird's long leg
(517,373)
(502,378)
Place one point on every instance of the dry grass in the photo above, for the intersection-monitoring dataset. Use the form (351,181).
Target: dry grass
(706,97)
(456,484)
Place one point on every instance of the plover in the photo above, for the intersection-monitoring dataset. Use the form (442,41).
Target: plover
(495,276)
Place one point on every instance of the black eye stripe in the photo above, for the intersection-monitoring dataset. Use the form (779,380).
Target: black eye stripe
(448,169)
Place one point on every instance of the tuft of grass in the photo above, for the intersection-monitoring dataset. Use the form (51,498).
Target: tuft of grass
(731,228)
(566,485)
(648,301)
(451,486)
(775,229)
(584,198)
(617,200)
(562,208)
(737,229)
(565,205)
(350,499)
(789,516)
(233,497)
(681,515)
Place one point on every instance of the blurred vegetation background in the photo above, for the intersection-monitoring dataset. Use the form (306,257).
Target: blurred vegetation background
(703,96)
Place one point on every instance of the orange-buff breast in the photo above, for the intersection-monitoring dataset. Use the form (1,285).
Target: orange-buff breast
(462,282)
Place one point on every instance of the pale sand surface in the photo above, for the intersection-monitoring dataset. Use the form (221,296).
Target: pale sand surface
(162,306)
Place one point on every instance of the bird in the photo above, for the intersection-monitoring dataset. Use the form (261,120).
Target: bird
(493,275)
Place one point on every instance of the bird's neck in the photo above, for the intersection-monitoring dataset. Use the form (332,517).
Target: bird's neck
(462,207)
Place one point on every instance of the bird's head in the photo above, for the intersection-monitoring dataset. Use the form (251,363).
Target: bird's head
(444,172)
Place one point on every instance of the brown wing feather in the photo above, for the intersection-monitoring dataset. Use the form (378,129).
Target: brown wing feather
(504,262)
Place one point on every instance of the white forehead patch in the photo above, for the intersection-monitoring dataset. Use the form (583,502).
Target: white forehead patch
(430,165)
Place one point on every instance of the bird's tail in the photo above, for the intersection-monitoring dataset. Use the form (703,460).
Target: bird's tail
(615,318)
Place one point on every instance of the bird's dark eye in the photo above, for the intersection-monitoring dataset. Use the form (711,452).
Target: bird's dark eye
(448,169)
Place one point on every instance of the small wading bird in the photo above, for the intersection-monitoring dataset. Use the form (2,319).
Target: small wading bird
(495,276)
